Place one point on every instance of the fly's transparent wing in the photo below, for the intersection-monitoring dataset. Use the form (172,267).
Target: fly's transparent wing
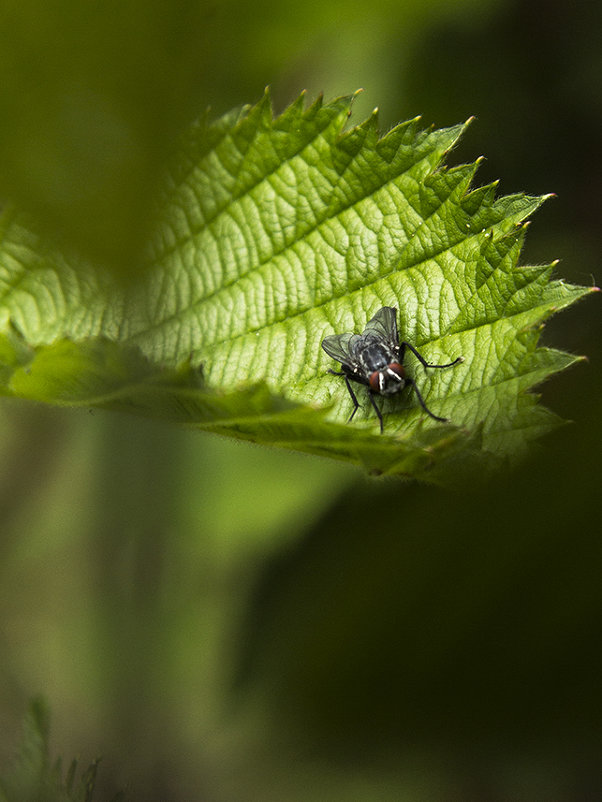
(384,326)
(338,347)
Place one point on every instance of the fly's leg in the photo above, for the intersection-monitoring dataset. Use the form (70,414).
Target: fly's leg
(377,410)
(412,383)
(426,364)
(356,403)
(422,360)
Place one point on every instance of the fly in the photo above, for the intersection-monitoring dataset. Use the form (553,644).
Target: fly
(375,359)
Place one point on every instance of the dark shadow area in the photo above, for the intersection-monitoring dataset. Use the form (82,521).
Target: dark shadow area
(465,624)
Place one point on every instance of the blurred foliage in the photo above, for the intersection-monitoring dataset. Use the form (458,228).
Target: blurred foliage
(223,623)
(32,777)
(91,99)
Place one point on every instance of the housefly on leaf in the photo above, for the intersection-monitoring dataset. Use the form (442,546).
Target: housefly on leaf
(375,359)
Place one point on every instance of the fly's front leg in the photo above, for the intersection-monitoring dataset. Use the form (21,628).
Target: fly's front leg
(379,414)
(350,389)
(422,360)
(412,384)
(356,403)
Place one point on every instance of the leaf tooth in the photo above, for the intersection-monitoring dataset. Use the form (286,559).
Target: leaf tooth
(257,116)
(407,125)
(318,104)
(363,135)
(479,197)
(291,114)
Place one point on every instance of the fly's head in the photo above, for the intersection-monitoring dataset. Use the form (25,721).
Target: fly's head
(388,380)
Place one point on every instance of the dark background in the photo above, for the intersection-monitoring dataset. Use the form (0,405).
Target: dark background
(222,622)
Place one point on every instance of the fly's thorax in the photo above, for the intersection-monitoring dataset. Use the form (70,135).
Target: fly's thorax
(389,380)
(374,356)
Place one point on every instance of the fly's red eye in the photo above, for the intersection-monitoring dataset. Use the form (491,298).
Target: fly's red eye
(375,381)
(395,367)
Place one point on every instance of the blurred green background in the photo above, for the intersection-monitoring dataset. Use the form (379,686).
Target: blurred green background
(225,623)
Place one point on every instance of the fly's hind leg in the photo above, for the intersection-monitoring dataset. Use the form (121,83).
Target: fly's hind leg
(422,360)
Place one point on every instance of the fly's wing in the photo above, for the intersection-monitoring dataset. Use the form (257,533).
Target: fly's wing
(339,347)
(384,326)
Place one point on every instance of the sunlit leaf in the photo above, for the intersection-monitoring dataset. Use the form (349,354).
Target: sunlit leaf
(270,234)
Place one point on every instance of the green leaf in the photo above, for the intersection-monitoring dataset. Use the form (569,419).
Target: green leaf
(270,234)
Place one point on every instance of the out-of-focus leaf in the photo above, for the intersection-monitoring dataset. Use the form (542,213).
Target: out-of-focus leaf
(91,99)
